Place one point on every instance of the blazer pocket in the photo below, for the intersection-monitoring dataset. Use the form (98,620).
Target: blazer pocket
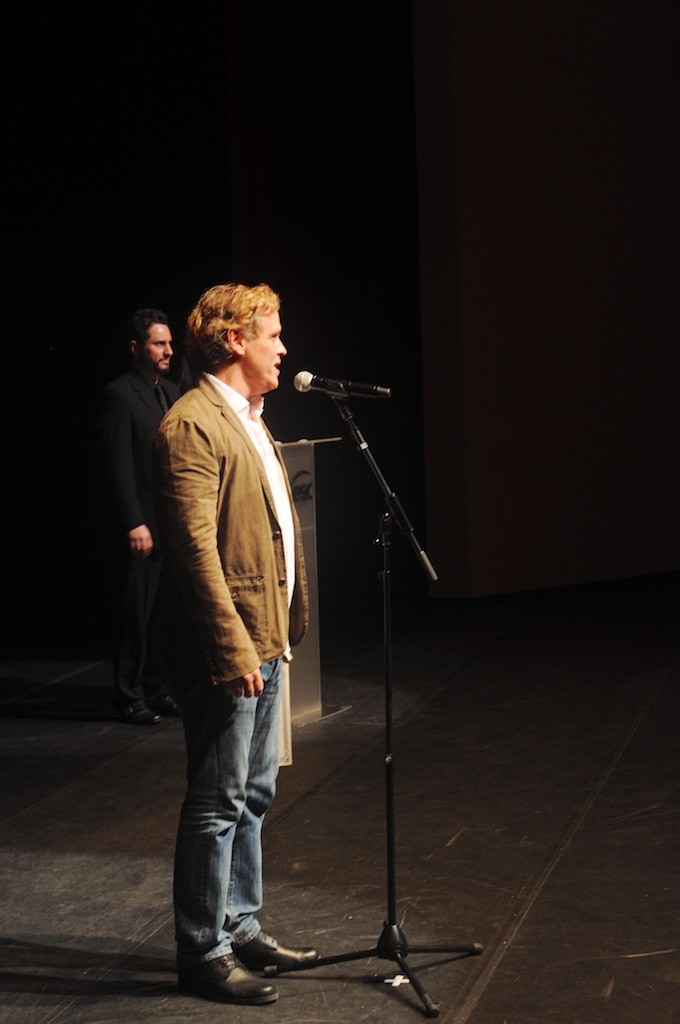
(250,599)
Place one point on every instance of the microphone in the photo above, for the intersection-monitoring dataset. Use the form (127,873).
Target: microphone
(306,381)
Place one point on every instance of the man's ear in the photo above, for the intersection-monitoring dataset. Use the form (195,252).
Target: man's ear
(235,341)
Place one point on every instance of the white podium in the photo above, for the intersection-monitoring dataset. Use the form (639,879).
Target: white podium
(302,680)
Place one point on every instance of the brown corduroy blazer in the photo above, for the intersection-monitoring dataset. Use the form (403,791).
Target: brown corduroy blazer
(222,543)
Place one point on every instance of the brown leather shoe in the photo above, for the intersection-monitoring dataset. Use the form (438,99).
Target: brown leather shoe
(225,980)
(264,951)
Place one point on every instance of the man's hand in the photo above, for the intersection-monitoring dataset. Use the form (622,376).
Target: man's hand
(141,541)
(249,685)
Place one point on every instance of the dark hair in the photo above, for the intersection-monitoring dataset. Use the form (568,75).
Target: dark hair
(141,320)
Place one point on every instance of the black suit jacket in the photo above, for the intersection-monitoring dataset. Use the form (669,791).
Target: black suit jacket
(128,422)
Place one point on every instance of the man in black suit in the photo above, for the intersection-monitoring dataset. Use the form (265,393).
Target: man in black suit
(133,406)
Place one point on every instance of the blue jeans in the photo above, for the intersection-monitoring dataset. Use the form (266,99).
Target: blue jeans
(232,748)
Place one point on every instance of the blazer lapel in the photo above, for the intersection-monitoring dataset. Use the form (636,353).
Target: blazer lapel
(235,423)
(142,391)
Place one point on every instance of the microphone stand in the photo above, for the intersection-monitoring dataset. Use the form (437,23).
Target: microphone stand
(392,943)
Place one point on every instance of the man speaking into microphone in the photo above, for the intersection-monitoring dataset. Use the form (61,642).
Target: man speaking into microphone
(235,602)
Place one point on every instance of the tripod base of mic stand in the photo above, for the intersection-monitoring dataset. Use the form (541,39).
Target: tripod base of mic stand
(392,945)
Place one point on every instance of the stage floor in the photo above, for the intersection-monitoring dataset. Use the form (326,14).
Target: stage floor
(535,772)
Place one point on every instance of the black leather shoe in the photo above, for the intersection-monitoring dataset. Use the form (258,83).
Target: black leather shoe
(264,951)
(139,714)
(225,980)
(165,706)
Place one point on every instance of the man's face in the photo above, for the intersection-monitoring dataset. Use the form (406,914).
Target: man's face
(152,358)
(262,356)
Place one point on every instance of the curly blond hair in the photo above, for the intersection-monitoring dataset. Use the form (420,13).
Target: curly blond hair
(220,308)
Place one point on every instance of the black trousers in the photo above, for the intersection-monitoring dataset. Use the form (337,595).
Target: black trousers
(138,665)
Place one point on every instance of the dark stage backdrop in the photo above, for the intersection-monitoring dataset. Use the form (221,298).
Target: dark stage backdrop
(409,218)
(548,219)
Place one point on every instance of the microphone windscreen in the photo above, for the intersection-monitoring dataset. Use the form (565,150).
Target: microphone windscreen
(303,380)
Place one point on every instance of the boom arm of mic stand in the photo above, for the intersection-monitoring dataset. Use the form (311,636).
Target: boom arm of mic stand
(393,504)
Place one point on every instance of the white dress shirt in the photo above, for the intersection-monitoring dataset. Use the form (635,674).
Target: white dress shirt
(250,416)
